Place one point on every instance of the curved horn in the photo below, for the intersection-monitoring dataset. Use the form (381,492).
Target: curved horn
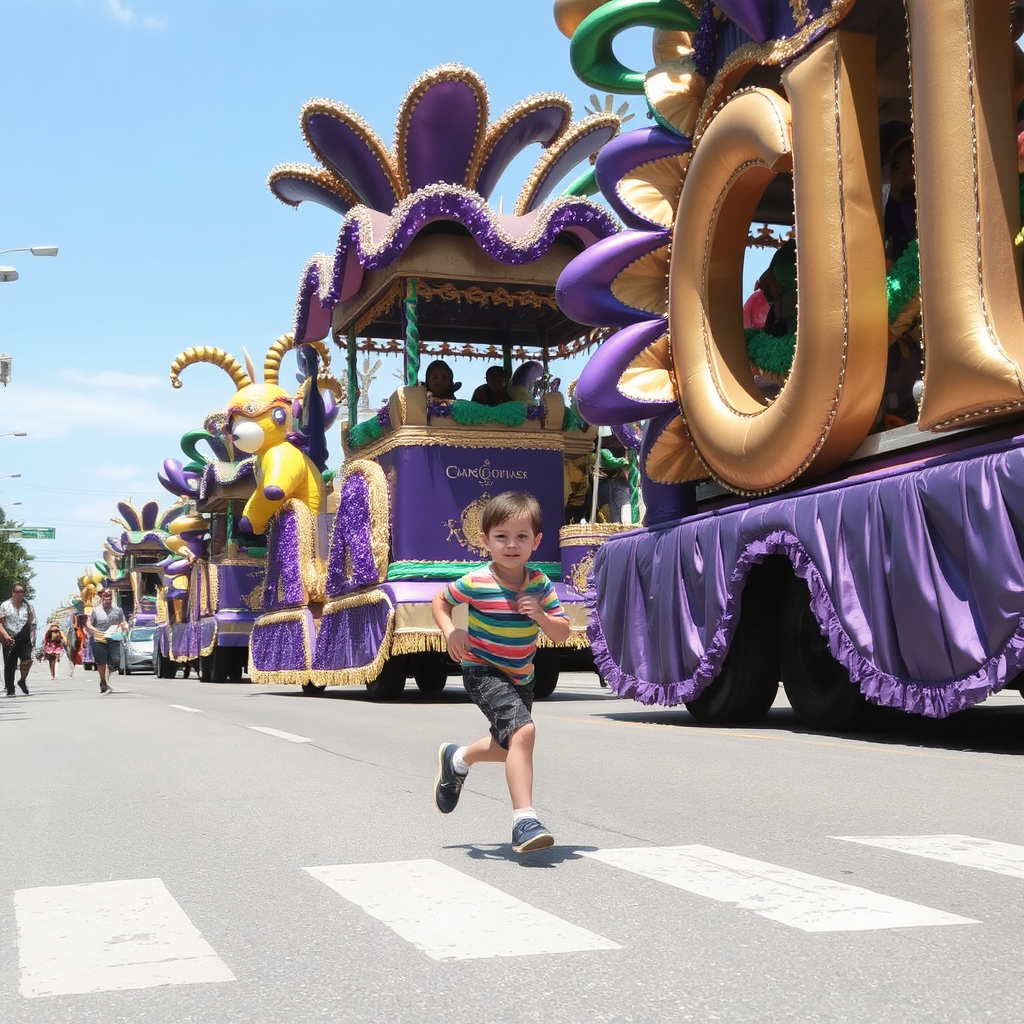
(217,356)
(325,354)
(272,364)
(248,364)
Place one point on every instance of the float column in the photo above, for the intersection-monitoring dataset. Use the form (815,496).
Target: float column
(412,335)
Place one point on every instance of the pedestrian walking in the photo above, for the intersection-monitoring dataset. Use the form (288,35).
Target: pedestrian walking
(509,604)
(53,647)
(107,626)
(76,642)
(18,634)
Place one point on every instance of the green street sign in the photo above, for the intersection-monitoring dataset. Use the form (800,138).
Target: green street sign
(38,532)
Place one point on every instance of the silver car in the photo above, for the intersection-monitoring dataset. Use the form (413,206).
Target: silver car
(137,650)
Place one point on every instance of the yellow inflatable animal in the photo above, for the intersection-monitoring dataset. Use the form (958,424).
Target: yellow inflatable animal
(259,419)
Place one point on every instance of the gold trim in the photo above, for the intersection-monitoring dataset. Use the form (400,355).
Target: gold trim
(419,436)
(577,641)
(212,586)
(481,297)
(588,533)
(391,295)
(418,643)
(380,517)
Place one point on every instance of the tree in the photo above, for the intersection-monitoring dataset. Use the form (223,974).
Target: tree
(15,562)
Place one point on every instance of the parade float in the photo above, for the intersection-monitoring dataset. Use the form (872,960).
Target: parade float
(425,268)
(794,530)
(217,560)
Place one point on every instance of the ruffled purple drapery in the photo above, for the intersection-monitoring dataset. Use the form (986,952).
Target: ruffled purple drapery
(916,577)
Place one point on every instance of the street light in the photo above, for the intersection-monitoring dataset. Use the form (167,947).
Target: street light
(11,273)
(10,476)
(15,433)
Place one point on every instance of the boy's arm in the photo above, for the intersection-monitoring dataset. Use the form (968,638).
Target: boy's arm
(454,637)
(554,622)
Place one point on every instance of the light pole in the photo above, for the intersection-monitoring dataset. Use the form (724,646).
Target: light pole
(15,433)
(10,476)
(11,273)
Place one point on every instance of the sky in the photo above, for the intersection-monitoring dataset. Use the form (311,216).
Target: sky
(137,136)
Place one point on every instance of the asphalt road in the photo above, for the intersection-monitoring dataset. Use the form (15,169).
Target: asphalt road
(165,861)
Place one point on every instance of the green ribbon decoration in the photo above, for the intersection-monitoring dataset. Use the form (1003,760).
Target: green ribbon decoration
(591,54)
(363,433)
(508,414)
(456,570)
(353,379)
(634,487)
(189,442)
(584,185)
(412,335)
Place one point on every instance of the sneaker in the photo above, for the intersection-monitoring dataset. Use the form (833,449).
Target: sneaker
(448,784)
(24,686)
(529,835)
(106,689)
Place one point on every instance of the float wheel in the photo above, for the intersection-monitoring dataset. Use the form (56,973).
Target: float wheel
(546,667)
(430,678)
(313,689)
(818,687)
(389,684)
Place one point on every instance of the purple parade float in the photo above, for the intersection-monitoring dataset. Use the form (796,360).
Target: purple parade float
(805,521)
(424,267)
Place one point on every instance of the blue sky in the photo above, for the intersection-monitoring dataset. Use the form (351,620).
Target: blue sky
(137,135)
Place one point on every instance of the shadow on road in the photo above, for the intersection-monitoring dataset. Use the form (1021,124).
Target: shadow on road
(549,858)
(996,728)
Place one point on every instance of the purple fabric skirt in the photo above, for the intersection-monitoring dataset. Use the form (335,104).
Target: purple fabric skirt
(916,577)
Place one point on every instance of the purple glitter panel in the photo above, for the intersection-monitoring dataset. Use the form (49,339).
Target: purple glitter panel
(352,538)
(351,637)
(281,646)
(299,190)
(898,565)
(283,570)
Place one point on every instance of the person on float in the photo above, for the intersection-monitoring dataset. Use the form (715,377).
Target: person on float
(107,626)
(778,285)
(53,647)
(900,222)
(440,381)
(509,604)
(18,634)
(495,390)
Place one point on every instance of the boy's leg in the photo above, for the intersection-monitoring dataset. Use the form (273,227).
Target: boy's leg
(519,766)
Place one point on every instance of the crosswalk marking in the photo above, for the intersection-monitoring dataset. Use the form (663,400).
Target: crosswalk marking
(790,897)
(185,707)
(289,736)
(451,916)
(109,935)
(968,852)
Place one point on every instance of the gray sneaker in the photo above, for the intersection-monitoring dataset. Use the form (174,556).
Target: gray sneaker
(529,835)
(448,784)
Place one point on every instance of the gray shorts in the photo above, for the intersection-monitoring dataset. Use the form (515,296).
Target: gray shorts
(107,653)
(506,705)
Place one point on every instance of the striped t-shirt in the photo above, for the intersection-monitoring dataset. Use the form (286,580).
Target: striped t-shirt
(499,635)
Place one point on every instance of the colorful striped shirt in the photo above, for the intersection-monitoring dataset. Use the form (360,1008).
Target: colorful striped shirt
(499,635)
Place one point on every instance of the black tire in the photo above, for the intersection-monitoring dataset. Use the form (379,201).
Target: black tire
(206,668)
(546,666)
(220,664)
(818,687)
(166,668)
(236,664)
(430,678)
(313,689)
(389,684)
(748,682)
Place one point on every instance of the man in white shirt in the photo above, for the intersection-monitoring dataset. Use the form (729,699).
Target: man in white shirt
(107,626)
(18,635)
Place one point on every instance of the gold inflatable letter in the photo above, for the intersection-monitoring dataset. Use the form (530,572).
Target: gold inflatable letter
(967,209)
(829,139)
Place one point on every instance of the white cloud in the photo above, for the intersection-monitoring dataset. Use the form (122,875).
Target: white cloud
(112,379)
(124,15)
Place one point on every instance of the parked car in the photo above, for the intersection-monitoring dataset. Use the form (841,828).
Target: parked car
(137,650)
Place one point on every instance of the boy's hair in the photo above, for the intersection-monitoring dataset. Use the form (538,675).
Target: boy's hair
(510,505)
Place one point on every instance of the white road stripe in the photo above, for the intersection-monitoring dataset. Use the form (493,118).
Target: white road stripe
(109,935)
(289,736)
(450,916)
(985,854)
(790,897)
(185,707)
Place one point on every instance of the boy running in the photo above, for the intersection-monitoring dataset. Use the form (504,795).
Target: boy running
(508,605)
